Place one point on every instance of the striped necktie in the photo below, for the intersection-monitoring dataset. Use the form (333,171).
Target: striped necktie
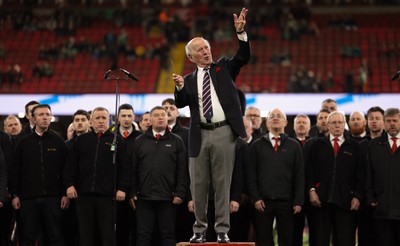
(207,105)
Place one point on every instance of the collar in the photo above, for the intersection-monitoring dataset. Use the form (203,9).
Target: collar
(172,126)
(271,136)
(201,69)
(397,136)
(121,131)
(340,138)
(161,133)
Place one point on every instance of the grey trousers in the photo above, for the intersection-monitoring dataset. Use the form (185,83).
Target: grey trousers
(213,164)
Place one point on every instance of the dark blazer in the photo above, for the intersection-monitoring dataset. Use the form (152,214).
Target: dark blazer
(223,74)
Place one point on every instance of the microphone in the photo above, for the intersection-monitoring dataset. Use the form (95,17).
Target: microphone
(396,75)
(107,74)
(129,74)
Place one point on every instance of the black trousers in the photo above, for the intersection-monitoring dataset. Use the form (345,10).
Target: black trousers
(298,228)
(333,220)
(283,212)
(147,213)
(240,223)
(365,224)
(95,213)
(38,213)
(126,224)
(388,232)
(185,220)
(70,224)
(6,213)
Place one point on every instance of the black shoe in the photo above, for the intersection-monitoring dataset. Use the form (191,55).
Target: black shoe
(198,238)
(222,238)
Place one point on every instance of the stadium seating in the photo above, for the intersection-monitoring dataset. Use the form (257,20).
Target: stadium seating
(321,54)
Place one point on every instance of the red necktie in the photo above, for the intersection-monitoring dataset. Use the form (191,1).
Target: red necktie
(335,146)
(158,136)
(276,146)
(126,134)
(99,135)
(302,141)
(394,146)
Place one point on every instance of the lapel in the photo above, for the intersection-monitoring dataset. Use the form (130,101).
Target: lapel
(213,75)
(193,83)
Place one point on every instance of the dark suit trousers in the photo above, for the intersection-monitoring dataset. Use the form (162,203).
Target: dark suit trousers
(95,213)
(147,213)
(337,220)
(283,212)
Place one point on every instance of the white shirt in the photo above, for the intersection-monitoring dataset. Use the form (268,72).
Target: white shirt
(171,126)
(218,112)
(122,131)
(271,138)
(161,133)
(397,141)
(340,139)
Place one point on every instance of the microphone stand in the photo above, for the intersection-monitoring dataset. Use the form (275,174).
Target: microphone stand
(116,75)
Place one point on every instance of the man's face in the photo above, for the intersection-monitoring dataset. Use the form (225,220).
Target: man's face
(145,123)
(100,121)
(42,118)
(172,112)
(276,120)
(392,125)
(80,124)
(330,106)
(302,126)
(159,120)
(375,121)
(29,115)
(357,123)
(12,127)
(336,125)
(125,118)
(254,116)
(200,52)
(322,120)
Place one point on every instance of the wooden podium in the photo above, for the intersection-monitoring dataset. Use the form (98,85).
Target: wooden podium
(215,244)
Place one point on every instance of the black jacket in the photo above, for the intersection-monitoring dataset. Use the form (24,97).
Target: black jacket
(339,179)
(90,165)
(276,176)
(159,167)
(223,74)
(181,131)
(37,166)
(383,178)
(3,177)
